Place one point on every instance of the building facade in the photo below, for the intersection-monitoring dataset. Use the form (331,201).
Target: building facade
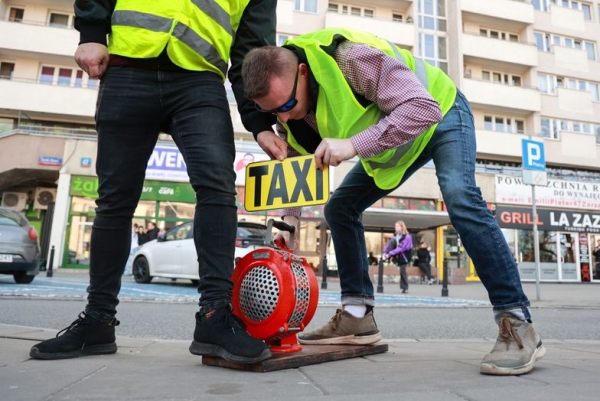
(529,68)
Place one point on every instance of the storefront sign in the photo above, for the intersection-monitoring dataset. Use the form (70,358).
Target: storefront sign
(166,163)
(558,193)
(548,220)
(87,187)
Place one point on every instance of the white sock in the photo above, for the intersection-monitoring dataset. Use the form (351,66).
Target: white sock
(356,310)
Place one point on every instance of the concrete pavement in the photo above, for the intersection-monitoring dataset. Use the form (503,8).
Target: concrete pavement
(412,369)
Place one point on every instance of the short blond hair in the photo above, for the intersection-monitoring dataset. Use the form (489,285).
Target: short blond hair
(263,63)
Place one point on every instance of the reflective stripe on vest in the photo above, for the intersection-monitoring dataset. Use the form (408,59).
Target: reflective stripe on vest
(155,23)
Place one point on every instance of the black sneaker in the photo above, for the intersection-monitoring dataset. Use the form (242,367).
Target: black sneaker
(85,336)
(220,333)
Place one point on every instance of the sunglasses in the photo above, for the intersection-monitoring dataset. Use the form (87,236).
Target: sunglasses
(287,106)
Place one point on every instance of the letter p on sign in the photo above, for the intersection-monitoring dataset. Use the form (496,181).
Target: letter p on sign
(533,155)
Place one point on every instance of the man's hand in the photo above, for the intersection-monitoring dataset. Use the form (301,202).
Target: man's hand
(333,152)
(92,58)
(292,221)
(272,144)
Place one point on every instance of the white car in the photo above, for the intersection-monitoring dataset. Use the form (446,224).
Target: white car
(173,254)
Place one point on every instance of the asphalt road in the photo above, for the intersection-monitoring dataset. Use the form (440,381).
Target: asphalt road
(156,320)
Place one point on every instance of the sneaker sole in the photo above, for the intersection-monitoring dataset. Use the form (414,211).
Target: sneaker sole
(490,369)
(203,349)
(345,340)
(103,349)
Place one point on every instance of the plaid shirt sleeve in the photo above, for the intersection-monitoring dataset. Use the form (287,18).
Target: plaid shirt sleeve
(410,110)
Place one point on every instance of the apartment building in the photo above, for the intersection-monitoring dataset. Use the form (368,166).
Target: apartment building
(529,68)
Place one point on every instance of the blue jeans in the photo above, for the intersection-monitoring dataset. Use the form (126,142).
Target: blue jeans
(133,106)
(452,149)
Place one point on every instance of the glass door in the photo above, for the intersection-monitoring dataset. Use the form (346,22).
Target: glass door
(568,250)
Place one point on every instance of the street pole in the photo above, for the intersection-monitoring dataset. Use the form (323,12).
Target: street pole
(380,277)
(445,280)
(536,245)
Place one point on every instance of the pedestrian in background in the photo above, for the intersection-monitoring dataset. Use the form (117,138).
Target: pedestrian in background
(341,94)
(163,71)
(133,248)
(424,260)
(402,252)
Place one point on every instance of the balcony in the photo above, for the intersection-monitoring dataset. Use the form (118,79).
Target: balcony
(53,99)
(514,99)
(514,14)
(30,38)
(492,143)
(402,34)
(487,51)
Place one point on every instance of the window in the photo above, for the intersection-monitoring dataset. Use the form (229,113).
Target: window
(92,83)
(79,79)
(47,75)
(333,7)
(6,70)
(64,76)
(59,20)
(307,6)
(591,51)
(501,78)
(397,17)
(595,93)
(16,14)
(494,34)
(282,37)
(432,16)
(503,124)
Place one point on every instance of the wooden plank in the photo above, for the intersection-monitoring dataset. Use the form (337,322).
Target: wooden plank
(310,355)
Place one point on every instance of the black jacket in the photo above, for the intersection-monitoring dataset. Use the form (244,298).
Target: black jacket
(257,28)
(423,255)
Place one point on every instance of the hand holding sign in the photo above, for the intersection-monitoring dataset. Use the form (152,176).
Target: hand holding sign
(333,152)
(293,182)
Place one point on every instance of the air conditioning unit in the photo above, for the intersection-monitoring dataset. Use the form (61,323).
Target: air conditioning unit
(43,196)
(16,200)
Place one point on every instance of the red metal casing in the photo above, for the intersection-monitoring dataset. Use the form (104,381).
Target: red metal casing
(275,294)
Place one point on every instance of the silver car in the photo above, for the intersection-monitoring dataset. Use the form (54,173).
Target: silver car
(173,254)
(19,246)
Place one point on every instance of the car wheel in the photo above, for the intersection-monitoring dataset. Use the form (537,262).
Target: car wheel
(195,282)
(141,270)
(23,278)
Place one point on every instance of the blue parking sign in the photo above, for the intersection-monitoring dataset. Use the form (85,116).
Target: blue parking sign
(533,155)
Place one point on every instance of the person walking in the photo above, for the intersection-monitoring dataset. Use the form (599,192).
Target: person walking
(401,251)
(424,260)
(163,71)
(132,249)
(340,94)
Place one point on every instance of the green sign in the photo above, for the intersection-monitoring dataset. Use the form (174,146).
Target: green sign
(87,187)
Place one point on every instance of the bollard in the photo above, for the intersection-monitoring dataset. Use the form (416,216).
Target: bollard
(50,263)
(324,272)
(380,277)
(445,280)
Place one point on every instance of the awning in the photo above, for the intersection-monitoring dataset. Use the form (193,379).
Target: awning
(378,218)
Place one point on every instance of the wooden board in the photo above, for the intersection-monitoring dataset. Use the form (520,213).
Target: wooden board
(310,355)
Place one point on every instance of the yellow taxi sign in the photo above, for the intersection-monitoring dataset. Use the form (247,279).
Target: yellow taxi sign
(293,182)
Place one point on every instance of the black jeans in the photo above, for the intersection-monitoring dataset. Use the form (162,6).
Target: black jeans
(134,105)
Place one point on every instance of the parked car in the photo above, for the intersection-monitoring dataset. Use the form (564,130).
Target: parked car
(173,254)
(19,246)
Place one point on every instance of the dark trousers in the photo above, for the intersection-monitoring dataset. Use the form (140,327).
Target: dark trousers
(426,268)
(134,105)
(403,277)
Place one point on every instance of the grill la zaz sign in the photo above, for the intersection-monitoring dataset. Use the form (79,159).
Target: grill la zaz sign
(548,220)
